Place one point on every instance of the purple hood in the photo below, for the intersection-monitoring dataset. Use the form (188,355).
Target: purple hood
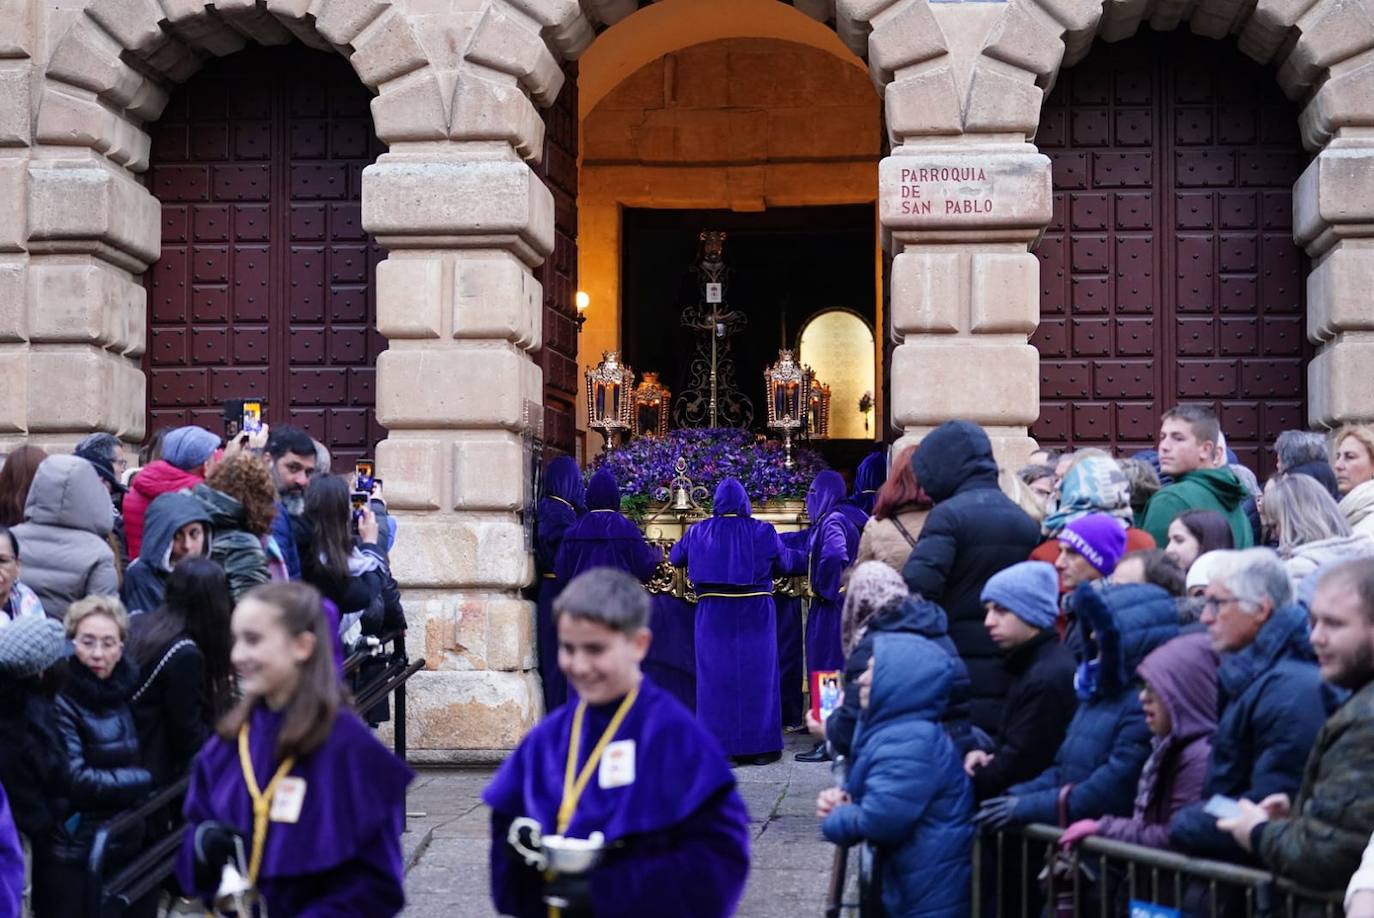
(1183,674)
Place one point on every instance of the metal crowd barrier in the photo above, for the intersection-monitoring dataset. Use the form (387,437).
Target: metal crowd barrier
(1129,880)
(111,896)
(1139,882)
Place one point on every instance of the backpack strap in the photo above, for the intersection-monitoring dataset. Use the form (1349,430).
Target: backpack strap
(167,655)
(910,539)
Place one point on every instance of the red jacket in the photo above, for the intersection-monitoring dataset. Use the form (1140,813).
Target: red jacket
(152,481)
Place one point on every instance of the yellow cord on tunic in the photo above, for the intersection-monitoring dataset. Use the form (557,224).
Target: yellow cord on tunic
(575,782)
(262,801)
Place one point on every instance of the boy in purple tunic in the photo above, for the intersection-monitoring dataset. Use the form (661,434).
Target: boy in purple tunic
(328,839)
(732,559)
(626,761)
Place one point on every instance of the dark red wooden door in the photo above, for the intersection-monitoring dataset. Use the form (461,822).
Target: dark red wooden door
(1169,273)
(264,287)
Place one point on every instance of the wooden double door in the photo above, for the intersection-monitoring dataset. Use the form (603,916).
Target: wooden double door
(1169,273)
(264,287)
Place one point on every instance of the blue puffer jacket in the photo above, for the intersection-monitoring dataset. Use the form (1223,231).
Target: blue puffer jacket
(1273,704)
(1107,742)
(911,797)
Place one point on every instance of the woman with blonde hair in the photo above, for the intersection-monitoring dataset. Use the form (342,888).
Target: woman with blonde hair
(1309,526)
(104,770)
(1353,463)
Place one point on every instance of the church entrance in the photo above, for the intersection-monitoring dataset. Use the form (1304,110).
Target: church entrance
(784,267)
(1169,272)
(264,286)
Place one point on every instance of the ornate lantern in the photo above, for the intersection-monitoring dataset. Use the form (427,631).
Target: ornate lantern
(651,402)
(818,411)
(610,396)
(789,394)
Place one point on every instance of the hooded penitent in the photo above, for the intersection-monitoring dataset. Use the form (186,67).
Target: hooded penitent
(832,546)
(604,537)
(564,501)
(868,478)
(731,560)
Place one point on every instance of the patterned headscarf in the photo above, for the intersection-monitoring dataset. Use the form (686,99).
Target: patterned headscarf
(1095,484)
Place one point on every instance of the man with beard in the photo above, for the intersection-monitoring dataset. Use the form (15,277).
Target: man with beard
(1317,840)
(292,460)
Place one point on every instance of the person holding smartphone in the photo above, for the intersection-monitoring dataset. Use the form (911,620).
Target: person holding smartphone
(348,566)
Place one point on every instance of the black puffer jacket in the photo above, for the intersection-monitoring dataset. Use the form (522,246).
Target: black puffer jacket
(104,771)
(973,532)
(31,760)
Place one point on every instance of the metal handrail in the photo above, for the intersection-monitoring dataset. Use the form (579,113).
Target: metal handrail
(1255,885)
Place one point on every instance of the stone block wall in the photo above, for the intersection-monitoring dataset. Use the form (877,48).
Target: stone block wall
(468,222)
(558,275)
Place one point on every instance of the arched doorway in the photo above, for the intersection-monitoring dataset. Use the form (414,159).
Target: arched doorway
(1169,272)
(264,286)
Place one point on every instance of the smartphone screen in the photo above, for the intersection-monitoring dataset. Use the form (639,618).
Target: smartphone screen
(362,473)
(252,417)
(359,501)
(1221,807)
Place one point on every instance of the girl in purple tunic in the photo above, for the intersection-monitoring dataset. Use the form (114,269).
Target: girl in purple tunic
(294,779)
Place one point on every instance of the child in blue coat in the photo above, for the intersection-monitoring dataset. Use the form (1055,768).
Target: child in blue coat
(907,793)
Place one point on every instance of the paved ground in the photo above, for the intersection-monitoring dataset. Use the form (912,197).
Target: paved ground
(446,844)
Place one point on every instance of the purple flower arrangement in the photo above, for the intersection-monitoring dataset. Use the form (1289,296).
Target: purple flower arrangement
(644,467)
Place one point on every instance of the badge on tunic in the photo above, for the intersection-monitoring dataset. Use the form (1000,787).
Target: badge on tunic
(617,767)
(288,799)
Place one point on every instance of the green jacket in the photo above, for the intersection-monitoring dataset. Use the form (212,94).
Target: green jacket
(1320,846)
(1205,489)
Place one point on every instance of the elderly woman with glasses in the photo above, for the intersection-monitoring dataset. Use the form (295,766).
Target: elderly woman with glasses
(104,770)
(16,600)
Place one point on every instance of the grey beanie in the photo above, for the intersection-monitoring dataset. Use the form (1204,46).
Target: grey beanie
(30,644)
(1029,590)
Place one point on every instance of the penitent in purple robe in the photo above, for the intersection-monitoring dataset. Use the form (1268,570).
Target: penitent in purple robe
(832,546)
(672,661)
(679,831)
(868,478)
(791,670)
(560,507)
(342,857)
(732,559)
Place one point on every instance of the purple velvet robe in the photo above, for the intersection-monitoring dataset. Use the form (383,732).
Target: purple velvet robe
(605,538)
(791,670)
(682,827)
(868,478)
(11,861)
(737,635)
(672,662)
(343,856)
(562,505)
(832,547)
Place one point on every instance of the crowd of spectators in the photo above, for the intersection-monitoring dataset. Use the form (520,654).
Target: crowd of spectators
(117,585)
(1159,651)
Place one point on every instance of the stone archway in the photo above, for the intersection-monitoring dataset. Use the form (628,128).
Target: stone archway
(92,228)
